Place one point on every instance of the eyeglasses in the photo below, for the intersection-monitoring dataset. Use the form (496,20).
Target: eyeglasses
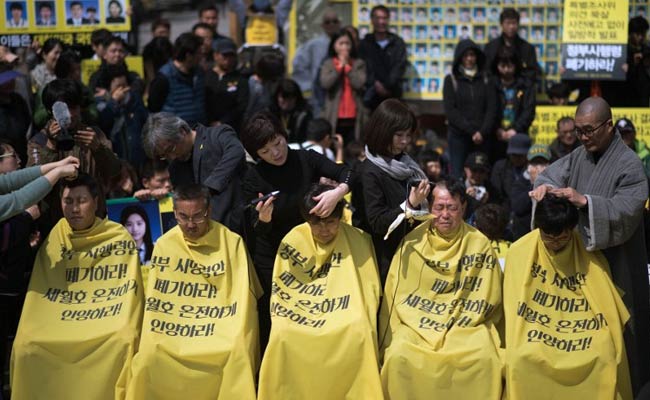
(184,219)
(331,21)
(579,132)
(164,154)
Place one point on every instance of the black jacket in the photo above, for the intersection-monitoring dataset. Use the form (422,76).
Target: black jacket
(376,199)
(218,163)
(525,52)
(470,103)
(226,98)
(524,104)
(293,179)
(385,65)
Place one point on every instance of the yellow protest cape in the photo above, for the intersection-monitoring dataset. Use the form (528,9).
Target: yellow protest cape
(81,321)
(442,301)
(323,341)
(200,337)
(564,324)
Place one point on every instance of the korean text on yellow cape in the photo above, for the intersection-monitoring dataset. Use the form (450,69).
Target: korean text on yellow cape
(438,318)
(81,320)
(200,336)
(323,342)
(564,324)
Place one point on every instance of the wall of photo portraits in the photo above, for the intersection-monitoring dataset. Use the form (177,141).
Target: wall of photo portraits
(432,28)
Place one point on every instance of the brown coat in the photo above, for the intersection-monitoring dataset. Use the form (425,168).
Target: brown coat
(332,82)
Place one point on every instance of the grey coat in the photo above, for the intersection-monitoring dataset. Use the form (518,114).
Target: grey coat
(616,189)
(332,82)
(21,189)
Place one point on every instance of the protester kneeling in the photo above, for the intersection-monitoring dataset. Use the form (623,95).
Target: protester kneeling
(442,301)
(564,316)
(200,337)
(324,302)
(81,321)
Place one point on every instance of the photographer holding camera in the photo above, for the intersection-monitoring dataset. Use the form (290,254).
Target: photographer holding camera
(65,134)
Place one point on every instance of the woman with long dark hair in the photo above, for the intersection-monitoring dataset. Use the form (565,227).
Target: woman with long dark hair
(44,72)
(136,221)
(343,75)
(391,181)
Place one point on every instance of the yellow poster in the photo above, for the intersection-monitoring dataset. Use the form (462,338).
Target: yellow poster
(261,30)
(200,335)
(24,21)
(89,66)
(81,321)
(596,22)
(564,324)
(544,127)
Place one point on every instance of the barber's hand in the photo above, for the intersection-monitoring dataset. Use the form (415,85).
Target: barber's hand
(87,138)
(477,138)
(577,199)
(69,160)
(539,192)
(419,194)
(265,209)
(68,171)
(326,202)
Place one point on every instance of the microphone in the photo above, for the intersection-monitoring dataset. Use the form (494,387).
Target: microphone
(64,141)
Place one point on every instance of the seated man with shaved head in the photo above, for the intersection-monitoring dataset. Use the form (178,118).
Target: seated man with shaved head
(605,179)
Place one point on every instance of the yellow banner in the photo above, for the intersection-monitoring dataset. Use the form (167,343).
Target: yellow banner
(442,302)
(544,127)
(595,21)
(81,321)
(200,335)
(323,342)
(89,66)
(261,30)
(564,324)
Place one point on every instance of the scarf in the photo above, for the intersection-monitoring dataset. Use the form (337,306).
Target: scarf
(402,169)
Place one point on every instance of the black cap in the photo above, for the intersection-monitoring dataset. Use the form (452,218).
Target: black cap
(519,144)
(477,160)
(224,46)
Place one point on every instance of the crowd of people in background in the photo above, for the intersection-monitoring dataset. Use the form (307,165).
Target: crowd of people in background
(242,131)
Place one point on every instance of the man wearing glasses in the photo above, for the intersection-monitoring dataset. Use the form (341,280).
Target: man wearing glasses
(210,156)
(200,322)
(605,180)
(441,307)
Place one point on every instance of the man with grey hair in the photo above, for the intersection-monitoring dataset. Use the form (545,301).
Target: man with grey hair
(210,341)
(605,180)
(211,156)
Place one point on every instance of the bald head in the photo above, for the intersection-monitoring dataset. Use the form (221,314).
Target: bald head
(597,107)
